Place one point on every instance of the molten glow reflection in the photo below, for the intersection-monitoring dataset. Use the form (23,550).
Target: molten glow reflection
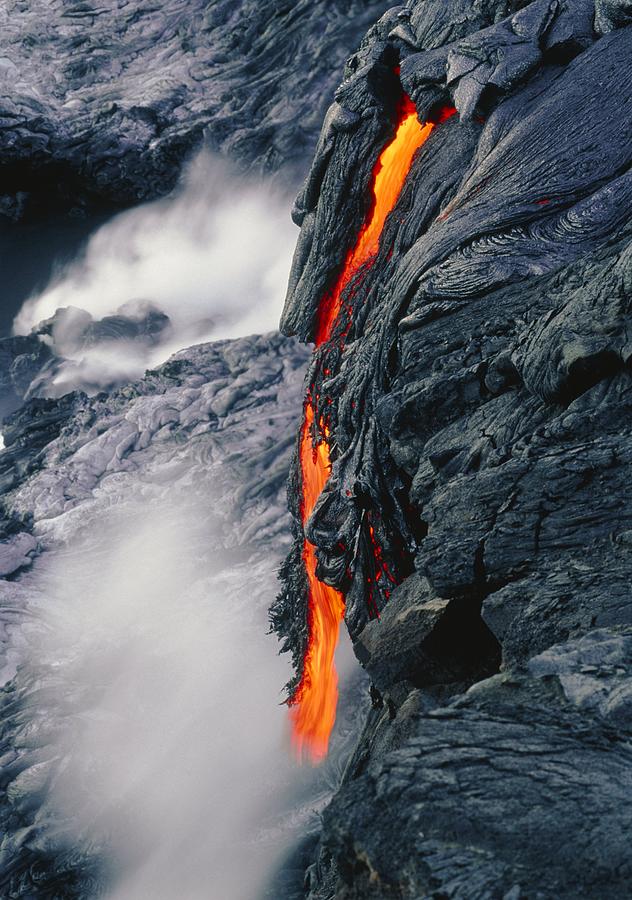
(313,706)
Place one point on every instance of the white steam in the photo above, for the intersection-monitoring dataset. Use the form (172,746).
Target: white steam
(175,751)
(214,257)
(171,740)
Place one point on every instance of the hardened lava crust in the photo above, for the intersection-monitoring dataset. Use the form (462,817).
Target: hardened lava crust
(477,394)
(100,102)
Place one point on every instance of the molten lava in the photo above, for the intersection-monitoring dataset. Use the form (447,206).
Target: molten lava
(313,706)
(313,709)
(388,180)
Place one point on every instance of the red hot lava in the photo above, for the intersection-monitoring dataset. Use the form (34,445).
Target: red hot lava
(313,706)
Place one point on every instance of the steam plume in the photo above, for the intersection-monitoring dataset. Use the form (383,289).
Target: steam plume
(175,750)
(213,257)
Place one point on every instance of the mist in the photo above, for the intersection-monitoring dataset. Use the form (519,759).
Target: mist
(214,257)
(173,763)
(175,745)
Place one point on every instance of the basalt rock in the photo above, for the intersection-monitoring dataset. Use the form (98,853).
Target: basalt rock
(22,358)
(477,389)
(100,103)
(73,329)
(40,365)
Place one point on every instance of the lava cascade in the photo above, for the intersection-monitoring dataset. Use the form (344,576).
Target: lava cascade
(313,706)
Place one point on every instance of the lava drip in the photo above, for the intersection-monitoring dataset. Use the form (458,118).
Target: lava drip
(313,705)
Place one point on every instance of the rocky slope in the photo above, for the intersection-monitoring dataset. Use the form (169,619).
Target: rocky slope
(100,105)
(100,102)
(477,390)
(30,364)
(199,447)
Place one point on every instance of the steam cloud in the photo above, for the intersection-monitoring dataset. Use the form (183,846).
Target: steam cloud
(214,257)
(175,750)
(174,743)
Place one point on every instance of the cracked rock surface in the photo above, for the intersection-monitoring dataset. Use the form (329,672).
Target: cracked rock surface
(477,389)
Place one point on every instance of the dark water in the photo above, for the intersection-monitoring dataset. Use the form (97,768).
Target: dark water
(30,254)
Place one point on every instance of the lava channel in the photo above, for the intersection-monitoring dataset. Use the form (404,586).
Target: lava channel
(313,705)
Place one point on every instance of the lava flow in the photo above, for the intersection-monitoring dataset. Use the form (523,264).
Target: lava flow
(388,180)
(313,706)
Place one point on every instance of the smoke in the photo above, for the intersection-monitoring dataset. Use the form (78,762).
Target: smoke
(213,257)
(176,750)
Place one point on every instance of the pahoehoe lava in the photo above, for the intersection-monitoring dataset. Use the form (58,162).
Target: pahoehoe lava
(313,704)
(460,483)
(472,387)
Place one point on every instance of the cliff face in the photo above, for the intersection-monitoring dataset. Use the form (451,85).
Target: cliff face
(476,390)
(101,105)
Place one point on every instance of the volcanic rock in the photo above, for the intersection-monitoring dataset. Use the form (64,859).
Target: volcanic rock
(102,102)
(216,416)
(477,388)
(22,358)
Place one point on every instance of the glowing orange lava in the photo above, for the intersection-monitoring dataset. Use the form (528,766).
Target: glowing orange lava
(313,709)
(313,706)
(389,176)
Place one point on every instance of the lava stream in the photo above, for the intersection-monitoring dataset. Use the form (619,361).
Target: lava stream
(313,709)
(388,180)
(313,706)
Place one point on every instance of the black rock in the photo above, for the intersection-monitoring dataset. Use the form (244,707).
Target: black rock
(107,101)
(477,389)
(22,358)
